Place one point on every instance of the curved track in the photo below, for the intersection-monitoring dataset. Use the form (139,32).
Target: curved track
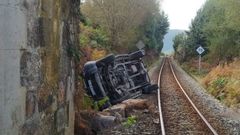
(177,112)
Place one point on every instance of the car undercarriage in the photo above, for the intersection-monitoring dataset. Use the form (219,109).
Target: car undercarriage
(115,78)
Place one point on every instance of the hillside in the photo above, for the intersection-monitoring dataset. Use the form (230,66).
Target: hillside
(168,40)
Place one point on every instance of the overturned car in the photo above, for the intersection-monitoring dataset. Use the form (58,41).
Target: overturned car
(113,79)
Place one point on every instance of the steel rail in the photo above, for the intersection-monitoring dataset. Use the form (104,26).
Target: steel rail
(193,105)
(159,100)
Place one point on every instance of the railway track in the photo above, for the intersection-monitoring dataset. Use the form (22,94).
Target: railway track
(177,112)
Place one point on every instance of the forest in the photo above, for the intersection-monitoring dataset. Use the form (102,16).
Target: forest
(216,28)
(116,26)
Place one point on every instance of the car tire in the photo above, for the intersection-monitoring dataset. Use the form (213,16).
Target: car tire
(149,88)
(137,55)
(106,60)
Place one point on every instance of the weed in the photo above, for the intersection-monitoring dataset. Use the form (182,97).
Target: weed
(221,96)
(220,82)
(130,121)
(84,40)
(98,105)
(87,102)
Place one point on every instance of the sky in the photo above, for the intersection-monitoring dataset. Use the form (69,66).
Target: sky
(181,12)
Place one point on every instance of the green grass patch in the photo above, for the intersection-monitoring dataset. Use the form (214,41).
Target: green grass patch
(87,102)
(131,120)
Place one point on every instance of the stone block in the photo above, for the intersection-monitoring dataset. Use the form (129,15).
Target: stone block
(61,93)
(61,117)
(45,99)
(30,104)
(119,108)
(136,104)
(30,74)
(31,127)
(100,122)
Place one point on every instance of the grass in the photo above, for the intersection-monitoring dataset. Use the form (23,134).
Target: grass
(223,82)
(87,102)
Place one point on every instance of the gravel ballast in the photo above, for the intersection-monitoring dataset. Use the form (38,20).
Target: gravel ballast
(178,115)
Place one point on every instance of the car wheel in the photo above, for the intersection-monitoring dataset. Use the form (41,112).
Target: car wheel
(149,88)
(106,60)
(137,55)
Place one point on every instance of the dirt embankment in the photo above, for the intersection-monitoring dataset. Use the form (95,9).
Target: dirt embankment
(212,109)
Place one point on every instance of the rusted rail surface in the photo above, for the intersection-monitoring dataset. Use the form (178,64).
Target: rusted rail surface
(177,112)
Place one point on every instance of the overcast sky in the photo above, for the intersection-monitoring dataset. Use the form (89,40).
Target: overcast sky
(181,12)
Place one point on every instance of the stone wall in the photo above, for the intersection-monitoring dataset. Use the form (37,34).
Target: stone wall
(37,80)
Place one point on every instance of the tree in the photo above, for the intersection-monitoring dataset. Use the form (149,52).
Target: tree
(180,46)
(121,18)
(222,30)
(154,30)
(216,27)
